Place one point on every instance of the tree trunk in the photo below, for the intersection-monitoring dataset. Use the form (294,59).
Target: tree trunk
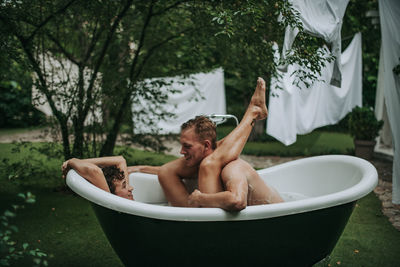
(108,147)
(65,139)
(78,135)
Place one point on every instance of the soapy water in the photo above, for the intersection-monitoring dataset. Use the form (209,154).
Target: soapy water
(287,197)
(292,196)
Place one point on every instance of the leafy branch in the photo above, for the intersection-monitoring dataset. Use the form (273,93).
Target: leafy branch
(9,249)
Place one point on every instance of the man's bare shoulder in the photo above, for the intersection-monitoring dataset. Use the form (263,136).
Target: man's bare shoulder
(180,168)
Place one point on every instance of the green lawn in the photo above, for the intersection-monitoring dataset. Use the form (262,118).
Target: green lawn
(316,143)
(64,225)
(18,130)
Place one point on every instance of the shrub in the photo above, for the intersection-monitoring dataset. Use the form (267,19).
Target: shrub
(10,251)
(363,124)
(16,108)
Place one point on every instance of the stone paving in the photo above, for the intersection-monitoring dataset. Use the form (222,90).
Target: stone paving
(390,210)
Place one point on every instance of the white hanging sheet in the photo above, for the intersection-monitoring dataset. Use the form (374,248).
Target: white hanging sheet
(322,18)
(62,77)
(389,13)
(184,104)
(295,110)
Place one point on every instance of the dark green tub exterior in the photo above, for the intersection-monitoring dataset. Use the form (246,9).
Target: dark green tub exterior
(301,239)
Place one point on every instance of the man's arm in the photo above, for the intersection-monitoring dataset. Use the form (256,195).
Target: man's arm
(234,199)
(144,169)
(170,177)
(87,170)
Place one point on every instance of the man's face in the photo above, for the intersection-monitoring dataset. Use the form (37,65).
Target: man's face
(123,189)
(192,149)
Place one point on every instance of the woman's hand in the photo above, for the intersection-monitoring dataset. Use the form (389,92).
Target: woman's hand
(194,199)
(65,168)
(134,168)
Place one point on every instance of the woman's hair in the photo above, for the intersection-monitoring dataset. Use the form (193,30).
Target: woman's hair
(204,128)
(112,173)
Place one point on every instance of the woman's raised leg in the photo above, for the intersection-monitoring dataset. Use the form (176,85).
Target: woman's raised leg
(229,148)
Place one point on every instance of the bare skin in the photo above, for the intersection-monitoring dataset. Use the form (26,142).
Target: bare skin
(244,187)
(90,169)
(219,185)
(225,181)
(229,148)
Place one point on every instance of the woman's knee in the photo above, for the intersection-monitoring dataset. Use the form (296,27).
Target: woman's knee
(210,163)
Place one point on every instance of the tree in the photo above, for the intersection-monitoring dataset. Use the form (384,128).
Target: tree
(252,31)
(91,54)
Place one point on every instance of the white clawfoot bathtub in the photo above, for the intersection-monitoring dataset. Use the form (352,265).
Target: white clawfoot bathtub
(320,194)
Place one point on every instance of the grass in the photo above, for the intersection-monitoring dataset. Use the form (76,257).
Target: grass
(59,223)
(368,239)
(18,130)
(316,143)
(64,225)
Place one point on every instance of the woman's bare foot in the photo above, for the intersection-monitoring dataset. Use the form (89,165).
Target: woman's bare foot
(257,102)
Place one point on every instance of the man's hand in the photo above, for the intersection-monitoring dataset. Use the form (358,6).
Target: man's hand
(144,169)
(194,199)
(133,168)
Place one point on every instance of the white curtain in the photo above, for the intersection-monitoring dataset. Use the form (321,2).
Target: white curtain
(184,104)
(322,18)
(389,12)
(294,110)
(62,77)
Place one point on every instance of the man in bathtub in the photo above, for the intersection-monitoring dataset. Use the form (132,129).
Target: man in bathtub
(224,180)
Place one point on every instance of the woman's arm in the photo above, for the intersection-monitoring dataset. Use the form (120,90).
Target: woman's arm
(234,199)
(87,170)
(107,161)
(118,161)
(225,200)
(144,168)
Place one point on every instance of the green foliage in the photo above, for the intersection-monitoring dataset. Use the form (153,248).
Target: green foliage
(319,142)
(30,164)
(15,86)
(313,144)
(10,250)
(15,106)
(363,124)
(91,55)
(356,20)
(368,240)
(71,222)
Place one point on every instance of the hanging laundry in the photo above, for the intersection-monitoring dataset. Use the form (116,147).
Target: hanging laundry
(324,19)
(185,104)
(294,110)
(389,79)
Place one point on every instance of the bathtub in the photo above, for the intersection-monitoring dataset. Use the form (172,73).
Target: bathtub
(320,194)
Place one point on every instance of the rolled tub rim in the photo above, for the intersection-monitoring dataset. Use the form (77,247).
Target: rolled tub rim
(100,197)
